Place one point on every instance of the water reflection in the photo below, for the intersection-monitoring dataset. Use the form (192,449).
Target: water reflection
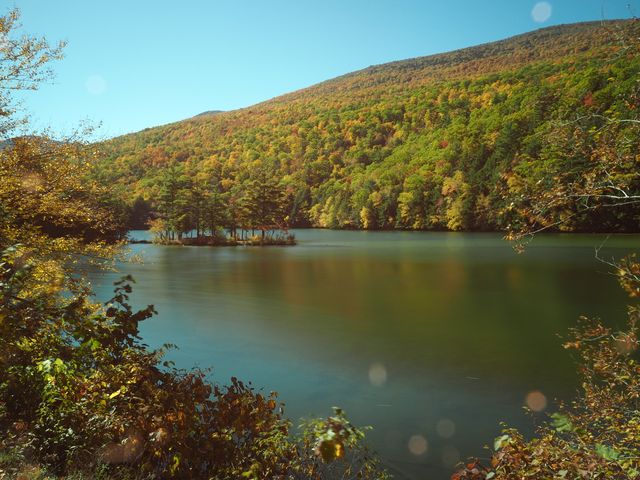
(418,445)
(377,374)
(445,428)
(432,338)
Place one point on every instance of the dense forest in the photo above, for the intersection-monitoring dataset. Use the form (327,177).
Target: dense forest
(441,142)
(536,132)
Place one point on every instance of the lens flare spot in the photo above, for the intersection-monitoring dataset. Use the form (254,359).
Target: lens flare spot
(126,451)
(96,85)
(4,42)
(418,445)
(450,456)
(536,401)
(541,12)
(446,428)
(377,374)
(31,182)
(626,344)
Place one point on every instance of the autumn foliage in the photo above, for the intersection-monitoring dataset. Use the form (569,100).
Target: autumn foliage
(456,141)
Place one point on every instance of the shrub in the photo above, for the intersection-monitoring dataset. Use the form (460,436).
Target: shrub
(79,392)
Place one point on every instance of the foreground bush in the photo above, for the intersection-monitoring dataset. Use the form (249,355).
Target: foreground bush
(80,393)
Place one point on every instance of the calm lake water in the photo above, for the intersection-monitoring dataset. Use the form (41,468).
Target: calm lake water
(431,338)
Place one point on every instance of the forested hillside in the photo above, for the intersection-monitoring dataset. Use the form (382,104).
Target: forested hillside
(448,141)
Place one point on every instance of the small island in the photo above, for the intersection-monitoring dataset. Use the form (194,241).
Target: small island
(192,212)
(262,237)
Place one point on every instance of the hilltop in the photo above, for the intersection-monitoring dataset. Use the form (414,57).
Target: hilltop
(427,143)
(208,113)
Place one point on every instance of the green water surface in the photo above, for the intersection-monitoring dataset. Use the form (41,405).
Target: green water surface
(430,336)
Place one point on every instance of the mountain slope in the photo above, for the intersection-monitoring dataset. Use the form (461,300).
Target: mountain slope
(208,113)
(430,142)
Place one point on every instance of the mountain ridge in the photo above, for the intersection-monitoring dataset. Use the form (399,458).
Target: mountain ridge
(422,143)
(399,63)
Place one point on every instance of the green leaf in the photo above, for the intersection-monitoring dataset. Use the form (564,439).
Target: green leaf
(92,344)
(44,365)
(607,452)
(561,422)
(501,442)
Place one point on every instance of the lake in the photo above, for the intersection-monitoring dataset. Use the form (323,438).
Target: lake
(431,338)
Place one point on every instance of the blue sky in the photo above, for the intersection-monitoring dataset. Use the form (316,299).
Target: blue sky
(139,63)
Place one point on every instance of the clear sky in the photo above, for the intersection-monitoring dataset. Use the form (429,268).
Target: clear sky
(132,64)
